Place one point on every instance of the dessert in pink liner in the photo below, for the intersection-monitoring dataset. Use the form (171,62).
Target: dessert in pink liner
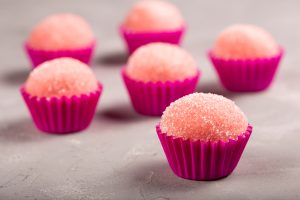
(152,21)
(203,136)
(60,35)
(246,58)
(62,95)
(157,74)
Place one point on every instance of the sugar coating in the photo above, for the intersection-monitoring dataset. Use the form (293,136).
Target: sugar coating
(243,41)
(61,32)
(207,117)
(61,77)
(160,62)
(153,15)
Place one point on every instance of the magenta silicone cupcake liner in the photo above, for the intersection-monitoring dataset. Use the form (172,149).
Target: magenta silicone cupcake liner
(134,40)
(246,75)
(62,115)
(150,98)
(199,160)
(39,56)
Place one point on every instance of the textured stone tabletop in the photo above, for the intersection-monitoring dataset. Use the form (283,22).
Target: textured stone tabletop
(119,155)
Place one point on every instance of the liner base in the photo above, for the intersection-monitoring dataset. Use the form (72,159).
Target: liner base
(135,40)
(203,161)
(39,56)
(246,75)
(62,115)
(152,98)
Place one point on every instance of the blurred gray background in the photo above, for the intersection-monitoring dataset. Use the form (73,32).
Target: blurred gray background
(119,156)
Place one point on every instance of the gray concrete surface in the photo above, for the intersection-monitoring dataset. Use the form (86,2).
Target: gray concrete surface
(119,156)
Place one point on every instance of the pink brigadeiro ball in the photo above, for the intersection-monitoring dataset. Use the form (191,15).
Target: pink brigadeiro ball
(61,32)
(61,77)
(161,62)
(203,136)
(245,42)
(246,58)
(62,95)
(153,16)
(60,35)
(152,21)
(157,74)
(205,117)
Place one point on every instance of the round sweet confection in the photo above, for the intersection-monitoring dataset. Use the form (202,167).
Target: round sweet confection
(162,62)
(61,77)
(152,16)
(244,41)
(61,32)
(205,117)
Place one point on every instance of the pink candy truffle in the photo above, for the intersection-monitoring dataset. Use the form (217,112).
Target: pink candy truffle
(205,117)
(151,16)
(61,32)
(245,42)
(160,62)
(61,77)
